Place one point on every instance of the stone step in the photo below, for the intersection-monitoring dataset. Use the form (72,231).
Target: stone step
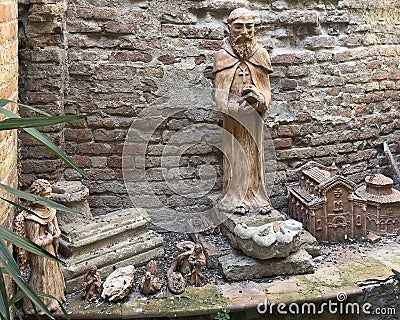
(136,250)
(78,238)
(235,267)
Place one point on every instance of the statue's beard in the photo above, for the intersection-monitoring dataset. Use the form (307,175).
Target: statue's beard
(243,45)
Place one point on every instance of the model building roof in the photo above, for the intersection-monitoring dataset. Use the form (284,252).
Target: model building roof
(393,196)
(379,179)
(317,174)
(303,195)
(378,189)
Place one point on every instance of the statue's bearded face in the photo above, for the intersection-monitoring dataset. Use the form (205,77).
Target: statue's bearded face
(242,36)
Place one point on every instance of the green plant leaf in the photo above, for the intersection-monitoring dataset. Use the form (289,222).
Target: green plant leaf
(20,295)
(34,122)
(16,297)
(35,134)
(19,206)
(4,310)
(46,295)
(12,269)
(4,102)
(37,199)
(26,244)
(36,313)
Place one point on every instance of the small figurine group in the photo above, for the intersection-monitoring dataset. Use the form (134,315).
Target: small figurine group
(119,283)
(190,262)
(40,225)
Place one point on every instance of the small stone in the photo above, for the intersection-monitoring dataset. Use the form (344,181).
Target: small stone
(373,238)
(118,284)
(308,242)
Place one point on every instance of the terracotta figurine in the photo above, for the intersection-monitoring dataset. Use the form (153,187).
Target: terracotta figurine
(150,283)
(243,94)
(91,285)
(185,249)
(176,281)
(197,260)
(41,227)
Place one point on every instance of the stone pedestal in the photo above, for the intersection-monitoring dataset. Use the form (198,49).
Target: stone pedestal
(72,194)
(272,246)
(111,241)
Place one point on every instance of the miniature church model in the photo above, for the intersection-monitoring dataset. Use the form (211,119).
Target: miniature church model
(334,209)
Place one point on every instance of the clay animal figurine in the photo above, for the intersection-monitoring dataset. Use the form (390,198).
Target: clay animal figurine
(176,282)
(91,285)
(150,283)
(185,248)
(197,260)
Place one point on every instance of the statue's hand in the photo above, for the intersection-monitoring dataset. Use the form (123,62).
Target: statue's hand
(253,95)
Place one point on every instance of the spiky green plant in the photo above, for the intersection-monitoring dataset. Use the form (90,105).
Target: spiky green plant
(8,265)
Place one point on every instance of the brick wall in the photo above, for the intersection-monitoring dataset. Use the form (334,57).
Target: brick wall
(335,88)
(42,83)
(8,90)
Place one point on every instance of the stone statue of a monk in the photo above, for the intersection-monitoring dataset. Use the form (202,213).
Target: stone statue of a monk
(243,94)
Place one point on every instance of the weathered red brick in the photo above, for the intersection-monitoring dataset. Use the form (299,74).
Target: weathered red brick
(296,71)
(116,162)
(78,134)
(379,75)
(289,130)
(394,76)
(121,56)
(299,17)
(351,41)
(167,59)
(283,143)
(200,59)
(319,42)
(102,135)
(213,45)
(304,57)
(285,58)
(343,56)
(374,64)
(288,84)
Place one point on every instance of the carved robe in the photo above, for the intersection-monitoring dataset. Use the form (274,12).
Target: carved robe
(46,275)
(243,139)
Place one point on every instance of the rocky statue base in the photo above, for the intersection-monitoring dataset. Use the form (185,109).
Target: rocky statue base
(111,241)
(74,195)
(268,245)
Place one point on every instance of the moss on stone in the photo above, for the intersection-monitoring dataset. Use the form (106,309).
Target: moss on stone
(364,270)
(194,301)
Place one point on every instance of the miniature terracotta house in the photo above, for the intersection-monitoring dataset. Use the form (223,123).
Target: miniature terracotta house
(380,202)
(333,209)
